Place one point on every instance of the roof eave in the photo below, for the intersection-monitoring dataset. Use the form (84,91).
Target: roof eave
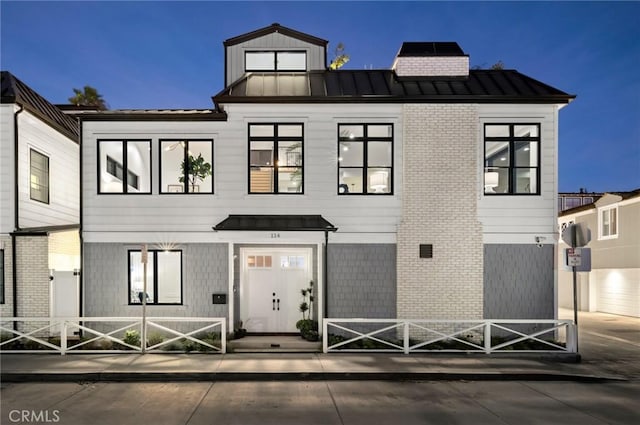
(154,116)
(558,99)
(271,29)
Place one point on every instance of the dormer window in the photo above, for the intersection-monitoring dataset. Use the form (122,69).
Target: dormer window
(275,61)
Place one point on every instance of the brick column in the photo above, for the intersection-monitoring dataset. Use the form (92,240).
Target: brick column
(440,148)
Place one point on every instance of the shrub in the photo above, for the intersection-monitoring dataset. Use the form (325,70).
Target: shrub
(132,337)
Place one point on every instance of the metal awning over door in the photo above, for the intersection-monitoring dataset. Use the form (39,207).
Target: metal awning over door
(276,222)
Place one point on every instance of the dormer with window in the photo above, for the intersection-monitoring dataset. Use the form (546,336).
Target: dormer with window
(273,49)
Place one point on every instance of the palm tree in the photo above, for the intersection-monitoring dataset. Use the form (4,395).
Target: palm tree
(88,97)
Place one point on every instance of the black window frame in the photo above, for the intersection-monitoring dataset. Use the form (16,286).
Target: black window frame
(124,166)
(154,253)
(185,156)
(512,168)
(276,138)
(48,177)
(365,139)
(275,61)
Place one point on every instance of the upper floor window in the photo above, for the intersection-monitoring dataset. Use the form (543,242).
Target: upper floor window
(276,158)
(186,166)
(39,177)
(275,61)
(512,159)
(608,223)
(164,277)
(365,159)
(124,166)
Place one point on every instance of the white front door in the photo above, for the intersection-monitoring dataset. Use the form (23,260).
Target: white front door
(271,284)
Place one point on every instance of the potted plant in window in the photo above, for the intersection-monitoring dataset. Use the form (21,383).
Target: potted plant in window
(197,169)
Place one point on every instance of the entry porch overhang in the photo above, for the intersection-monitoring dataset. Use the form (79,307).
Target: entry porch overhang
(294,223)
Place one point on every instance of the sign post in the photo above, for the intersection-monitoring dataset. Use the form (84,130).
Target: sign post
(576,236)
(143,333)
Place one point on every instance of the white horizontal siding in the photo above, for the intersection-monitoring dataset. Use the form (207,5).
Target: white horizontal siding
(6,168)
(198,213)
(273,41)
(64,193)
(518,219)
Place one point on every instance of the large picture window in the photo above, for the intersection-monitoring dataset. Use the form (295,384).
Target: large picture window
(276,158)
(608,223)
(124,166)
(186,166)
(512,159)
(38,176)
(275,61)
(164,277)
(365,159)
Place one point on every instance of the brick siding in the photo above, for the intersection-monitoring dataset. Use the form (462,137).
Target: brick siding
(439,208)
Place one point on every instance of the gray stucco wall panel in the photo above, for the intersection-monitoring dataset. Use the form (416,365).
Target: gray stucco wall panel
(204,272)
(518,281)
(362,280)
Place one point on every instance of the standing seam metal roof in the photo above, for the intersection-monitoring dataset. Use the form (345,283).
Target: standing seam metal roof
(481,86)
(15,91)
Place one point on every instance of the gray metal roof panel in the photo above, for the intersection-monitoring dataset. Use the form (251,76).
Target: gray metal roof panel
(384,86)
(15,91)
(275,222)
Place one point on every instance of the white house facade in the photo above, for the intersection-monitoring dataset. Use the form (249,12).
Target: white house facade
(39,205)
(613,283)
(423,191)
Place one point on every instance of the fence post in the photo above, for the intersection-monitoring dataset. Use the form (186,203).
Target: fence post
(405,338)
(572,339)
(325,336)
(63,337)
(223,335)
(487,337)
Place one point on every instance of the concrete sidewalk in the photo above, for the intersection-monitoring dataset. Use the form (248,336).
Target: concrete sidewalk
(288,366)
(609,349)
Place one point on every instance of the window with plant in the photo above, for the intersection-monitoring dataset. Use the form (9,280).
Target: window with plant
(512,159)
(365,159)
(276,158)
(186,166)
(124,166)
(164,277)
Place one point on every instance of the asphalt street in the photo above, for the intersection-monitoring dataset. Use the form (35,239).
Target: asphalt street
(342,402)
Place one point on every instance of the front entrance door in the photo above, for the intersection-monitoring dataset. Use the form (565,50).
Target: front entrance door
(271,284)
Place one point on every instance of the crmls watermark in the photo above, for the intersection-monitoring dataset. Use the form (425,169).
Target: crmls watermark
(31,416)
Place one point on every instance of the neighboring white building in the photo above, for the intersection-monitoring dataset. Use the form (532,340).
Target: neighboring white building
(424,191)
(613,284)
(39,205)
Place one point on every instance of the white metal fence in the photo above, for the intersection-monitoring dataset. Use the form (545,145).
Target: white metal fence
(112,334)
(485,336)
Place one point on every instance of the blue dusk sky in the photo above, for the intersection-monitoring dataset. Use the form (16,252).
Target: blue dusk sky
(164,54)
